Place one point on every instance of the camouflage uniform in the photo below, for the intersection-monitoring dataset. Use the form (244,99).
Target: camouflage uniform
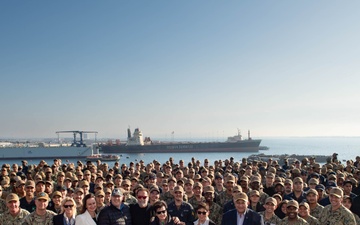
(263,197)
(300,221)
(34,219)
(312,220)
(223,198)
(130,200)
(194,202)
(340,216)
(273,220)
(167,197)
(2,205)
(215,213)
(357,219)
(316,211)
(7,219)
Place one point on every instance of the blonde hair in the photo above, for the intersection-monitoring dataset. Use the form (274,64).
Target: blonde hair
(68,199)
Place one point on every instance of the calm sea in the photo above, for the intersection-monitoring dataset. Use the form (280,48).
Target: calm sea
(346,147)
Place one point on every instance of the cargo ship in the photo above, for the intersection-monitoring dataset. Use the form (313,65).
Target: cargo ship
(137,144)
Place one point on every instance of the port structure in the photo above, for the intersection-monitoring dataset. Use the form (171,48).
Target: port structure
(76,142)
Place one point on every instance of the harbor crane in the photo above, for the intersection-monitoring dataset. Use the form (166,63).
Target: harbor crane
(77,143)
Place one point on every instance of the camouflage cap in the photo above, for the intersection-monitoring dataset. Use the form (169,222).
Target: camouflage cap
(30,183)
(305,204)
(178,188)
(292,203)
(312,191)
(337,192)
(100,193)
(209,189)
(56,193)
(271,200)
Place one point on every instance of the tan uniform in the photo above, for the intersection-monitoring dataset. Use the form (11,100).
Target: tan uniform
(273,220)
(35,219)
(299,221)
(316,211)
(340,216)
(7,219)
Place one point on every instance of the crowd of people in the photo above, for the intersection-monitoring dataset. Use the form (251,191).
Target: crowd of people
(225,192)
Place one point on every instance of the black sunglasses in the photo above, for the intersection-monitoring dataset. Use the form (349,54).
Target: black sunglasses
(67,206)
(200,212)
(161,212)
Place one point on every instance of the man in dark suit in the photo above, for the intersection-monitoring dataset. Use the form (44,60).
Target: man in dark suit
(241,214)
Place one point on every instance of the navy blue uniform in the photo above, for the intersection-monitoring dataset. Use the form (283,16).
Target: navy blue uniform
(185,213)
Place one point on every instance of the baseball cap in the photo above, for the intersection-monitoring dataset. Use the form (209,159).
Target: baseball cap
(178,189)
(271,200)
(100,193)
(292,203)
(312,191)
(57,193)
(116,192)
(42,195)
(240,196)
(12,197)
(337,192)
(209,189)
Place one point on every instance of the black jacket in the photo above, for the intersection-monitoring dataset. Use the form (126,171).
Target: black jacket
(111,215)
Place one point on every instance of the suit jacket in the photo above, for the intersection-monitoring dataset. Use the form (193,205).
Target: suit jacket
(59,219)
(84,219)
(251,218)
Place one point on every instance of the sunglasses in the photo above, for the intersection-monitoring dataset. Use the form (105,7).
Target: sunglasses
(161,212)
(200,212)
(142,197)
(68,206)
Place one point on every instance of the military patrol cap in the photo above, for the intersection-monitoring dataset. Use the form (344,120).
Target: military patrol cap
(116,192)
(288,181)
(337,192)
(209,189)
(292,203)
(313,181)
(313,191)
(171,179)
(154,188)
(189,181)
(42,195)
(271,200)
(207,179)
(19,183)
(320,187)
(279,183)
(255,179)
(126,181)
(230,178)
(84,183)
(218,176)
(40,181)
(12,197)
(244,178)
(197,177)
(240,196)
(61,174)
(197,184)
(178,188)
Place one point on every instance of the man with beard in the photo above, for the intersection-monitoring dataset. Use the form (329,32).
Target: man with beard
(298,194)
(28,202)
(312,197)
(336,213)
(140,212)
(292,217)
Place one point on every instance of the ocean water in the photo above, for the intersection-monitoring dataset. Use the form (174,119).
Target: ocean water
(346,147)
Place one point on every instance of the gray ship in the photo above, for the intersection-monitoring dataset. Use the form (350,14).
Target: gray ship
(137,144)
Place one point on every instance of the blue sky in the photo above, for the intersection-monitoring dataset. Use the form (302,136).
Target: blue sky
(198,68)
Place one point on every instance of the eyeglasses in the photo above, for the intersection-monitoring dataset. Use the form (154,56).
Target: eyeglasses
(142,197)
(201,212)
(161,212)
(68,206)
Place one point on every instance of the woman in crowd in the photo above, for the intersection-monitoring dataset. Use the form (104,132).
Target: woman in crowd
(161,215)
(202,212)
(347,202)
(68,213)
(88,211)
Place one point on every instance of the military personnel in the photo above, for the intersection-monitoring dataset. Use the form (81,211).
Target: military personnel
(180,209)
(298,194)
(268,215)
(230,204)
(312,197)
(128,198)
(14,215)
(255,184)
(226,196)
(304,212)
(28,202)
(40,216)
(336,213)
(99,198)
(2,202)
(197,197)
(215,209)
(292,214)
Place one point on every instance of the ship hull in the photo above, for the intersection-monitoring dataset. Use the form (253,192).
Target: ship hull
(241,146)
(44,153)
